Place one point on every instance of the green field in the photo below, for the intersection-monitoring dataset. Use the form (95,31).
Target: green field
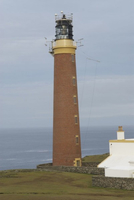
(95,158)
(44,185)
(22,185)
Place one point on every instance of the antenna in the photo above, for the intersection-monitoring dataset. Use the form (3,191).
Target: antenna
(55,16)
(50,45)
(45,41)
(89,58)
(79,41)
(93,59)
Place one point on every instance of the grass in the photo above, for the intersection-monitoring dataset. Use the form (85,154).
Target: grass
(54,186)
(95,158)
(42,185)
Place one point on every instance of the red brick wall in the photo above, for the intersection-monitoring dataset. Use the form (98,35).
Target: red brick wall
(65,130)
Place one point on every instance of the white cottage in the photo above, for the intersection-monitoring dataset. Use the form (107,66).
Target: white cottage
(120,163)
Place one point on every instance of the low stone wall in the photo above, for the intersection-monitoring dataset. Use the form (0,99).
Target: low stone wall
(83,170)
(84,164)
(110,182)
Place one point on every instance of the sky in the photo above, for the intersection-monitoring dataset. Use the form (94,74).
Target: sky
(105,88)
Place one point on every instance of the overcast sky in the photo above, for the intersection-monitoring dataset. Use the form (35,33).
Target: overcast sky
(105,88)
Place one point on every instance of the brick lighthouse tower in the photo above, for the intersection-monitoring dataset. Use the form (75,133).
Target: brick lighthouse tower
(66,128)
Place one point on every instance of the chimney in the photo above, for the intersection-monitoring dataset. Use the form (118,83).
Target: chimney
(120,133)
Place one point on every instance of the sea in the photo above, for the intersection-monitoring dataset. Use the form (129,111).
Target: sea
(26,148)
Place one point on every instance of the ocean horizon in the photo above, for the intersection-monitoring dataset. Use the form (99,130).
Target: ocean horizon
(25,148)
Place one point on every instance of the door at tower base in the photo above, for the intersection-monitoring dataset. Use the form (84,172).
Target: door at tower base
(66,128)
(77,162)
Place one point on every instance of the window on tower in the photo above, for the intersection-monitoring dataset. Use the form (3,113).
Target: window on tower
(77,139)
(74,80)
(75,99)
(76,119)
(72,57)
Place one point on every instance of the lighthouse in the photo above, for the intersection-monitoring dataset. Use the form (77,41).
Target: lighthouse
(66,127)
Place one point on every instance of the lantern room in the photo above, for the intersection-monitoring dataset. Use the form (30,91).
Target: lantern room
(64,27)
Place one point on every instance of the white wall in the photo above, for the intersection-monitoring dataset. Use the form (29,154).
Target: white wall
(109,172)
(124,148)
